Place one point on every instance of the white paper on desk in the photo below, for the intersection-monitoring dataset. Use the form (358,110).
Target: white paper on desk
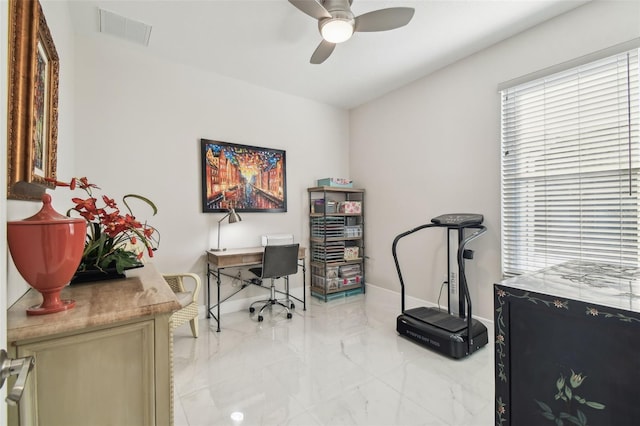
(277,239)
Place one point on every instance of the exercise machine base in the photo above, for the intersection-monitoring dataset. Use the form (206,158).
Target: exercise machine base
(442,332)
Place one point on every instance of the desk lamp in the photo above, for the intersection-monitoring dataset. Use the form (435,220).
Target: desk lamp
(233,218)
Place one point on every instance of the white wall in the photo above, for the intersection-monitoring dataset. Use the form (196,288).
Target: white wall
(139,121)
(433,147)
(132,123)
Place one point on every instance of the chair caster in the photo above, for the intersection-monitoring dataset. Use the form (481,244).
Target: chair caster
(292,306)
(260,318)
(289,316)
(252,309)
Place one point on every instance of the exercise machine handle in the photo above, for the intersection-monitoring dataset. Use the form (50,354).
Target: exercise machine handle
(480,230)
(395,255)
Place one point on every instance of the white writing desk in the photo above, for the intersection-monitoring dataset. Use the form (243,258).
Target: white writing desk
(217,261)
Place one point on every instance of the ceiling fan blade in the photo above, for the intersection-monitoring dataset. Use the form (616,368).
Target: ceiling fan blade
(311,8)
(384,19)
(322,52)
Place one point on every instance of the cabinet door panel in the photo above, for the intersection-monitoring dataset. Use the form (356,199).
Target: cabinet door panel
(107,377)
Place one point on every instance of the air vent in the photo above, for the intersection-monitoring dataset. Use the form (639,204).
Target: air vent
(128,29)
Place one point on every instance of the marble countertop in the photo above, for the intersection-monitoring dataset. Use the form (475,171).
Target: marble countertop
(609,285)
(144,293)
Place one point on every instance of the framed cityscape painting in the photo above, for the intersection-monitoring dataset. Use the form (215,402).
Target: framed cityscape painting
(245,178)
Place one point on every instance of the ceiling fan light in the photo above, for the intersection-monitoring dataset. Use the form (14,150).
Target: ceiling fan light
(337,30)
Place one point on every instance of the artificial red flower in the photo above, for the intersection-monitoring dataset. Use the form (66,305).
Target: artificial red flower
(111,235)
(109,202)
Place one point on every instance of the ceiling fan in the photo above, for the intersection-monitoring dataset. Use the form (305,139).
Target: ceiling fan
(337,23)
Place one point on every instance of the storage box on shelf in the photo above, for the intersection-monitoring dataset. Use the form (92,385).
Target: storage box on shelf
(348,271)
(353,230)
(336,182)
(351,253)
(350,207)
(324,206)
(336,241)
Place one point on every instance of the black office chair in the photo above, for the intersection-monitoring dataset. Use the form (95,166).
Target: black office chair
(277,262)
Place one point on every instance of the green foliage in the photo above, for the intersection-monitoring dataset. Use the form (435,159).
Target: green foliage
(566,393)
(114,240)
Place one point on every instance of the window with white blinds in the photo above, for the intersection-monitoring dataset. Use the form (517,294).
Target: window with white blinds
(570,163)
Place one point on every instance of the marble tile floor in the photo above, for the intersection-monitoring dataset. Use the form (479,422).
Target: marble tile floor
(337,363)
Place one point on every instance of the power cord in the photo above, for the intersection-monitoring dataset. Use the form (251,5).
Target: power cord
(237,280)
(440,295)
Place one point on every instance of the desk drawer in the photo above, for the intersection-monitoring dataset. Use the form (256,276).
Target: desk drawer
(240,257)
(234,259)
(252,258)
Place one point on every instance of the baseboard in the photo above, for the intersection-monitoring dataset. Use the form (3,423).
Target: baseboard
(242,303)
(373,294)
(392,298)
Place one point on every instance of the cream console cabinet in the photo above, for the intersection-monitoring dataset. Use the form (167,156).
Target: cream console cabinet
(108,361)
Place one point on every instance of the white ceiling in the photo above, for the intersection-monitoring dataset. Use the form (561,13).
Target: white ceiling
(269,42)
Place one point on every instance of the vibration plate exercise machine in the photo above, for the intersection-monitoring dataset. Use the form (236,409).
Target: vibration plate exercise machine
(453,332)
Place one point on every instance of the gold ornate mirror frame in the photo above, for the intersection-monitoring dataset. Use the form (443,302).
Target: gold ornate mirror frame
(34,70)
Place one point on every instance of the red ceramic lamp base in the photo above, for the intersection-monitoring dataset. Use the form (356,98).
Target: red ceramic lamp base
(46,249)
(51,303)
(43,310)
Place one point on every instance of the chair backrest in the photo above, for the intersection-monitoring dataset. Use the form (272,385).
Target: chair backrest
(280,261)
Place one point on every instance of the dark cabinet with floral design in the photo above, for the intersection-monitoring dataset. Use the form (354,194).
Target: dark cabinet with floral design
(567,346)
